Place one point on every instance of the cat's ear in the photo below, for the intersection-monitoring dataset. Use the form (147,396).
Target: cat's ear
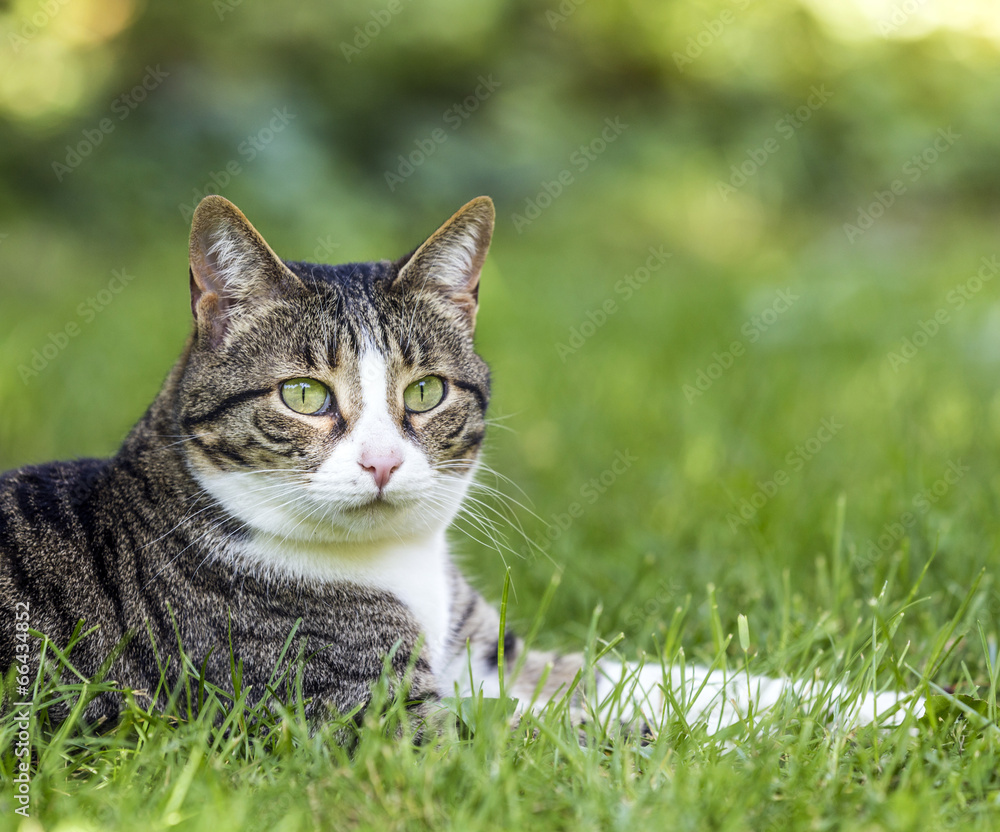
(452,258)
(231,264)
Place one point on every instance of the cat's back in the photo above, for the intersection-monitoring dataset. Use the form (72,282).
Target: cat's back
(47,510)
(51,515)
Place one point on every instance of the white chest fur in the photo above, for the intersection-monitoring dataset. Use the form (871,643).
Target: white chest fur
(415,572)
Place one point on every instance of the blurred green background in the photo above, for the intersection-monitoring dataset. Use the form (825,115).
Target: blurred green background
(821,174)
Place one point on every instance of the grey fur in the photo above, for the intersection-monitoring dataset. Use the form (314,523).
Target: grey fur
(135,544)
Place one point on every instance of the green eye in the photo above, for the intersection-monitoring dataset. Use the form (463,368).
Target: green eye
(305,395)
(423,394)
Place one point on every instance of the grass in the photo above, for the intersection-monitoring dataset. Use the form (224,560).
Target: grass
(241,765)
(867,549)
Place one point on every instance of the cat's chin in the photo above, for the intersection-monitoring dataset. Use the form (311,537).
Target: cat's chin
(416,510)
(370,520)
(383,519)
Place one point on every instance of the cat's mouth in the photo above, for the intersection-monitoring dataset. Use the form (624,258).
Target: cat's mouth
(377,503)
(382,503)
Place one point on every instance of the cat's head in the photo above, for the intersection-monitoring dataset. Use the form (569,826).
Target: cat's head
(327,404)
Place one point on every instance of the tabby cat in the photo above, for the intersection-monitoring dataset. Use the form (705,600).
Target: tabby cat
(302,461)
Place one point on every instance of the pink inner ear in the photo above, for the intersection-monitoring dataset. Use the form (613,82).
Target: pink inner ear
(196,292)
(210,318)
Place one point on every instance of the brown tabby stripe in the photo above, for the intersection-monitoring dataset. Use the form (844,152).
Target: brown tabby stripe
(474,440)
(457,430)
(226,404)
(478,391)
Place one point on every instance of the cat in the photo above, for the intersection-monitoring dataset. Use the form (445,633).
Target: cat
(302,462)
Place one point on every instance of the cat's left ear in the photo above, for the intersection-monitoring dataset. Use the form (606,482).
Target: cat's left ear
(452,258)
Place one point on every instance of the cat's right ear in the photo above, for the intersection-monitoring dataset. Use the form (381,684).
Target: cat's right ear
(231,265)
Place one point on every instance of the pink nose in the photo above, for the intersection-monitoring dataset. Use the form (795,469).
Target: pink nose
(381,466)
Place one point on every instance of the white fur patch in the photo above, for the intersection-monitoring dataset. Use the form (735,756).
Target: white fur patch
(416,573)
(333,526)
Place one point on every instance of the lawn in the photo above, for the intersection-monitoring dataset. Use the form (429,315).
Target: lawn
(772,421)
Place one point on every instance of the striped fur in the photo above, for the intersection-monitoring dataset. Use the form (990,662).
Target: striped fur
(223,517)
(226,516)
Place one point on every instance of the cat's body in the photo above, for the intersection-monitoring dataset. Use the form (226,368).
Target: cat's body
(227,516)
(100,558)
(301,463)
